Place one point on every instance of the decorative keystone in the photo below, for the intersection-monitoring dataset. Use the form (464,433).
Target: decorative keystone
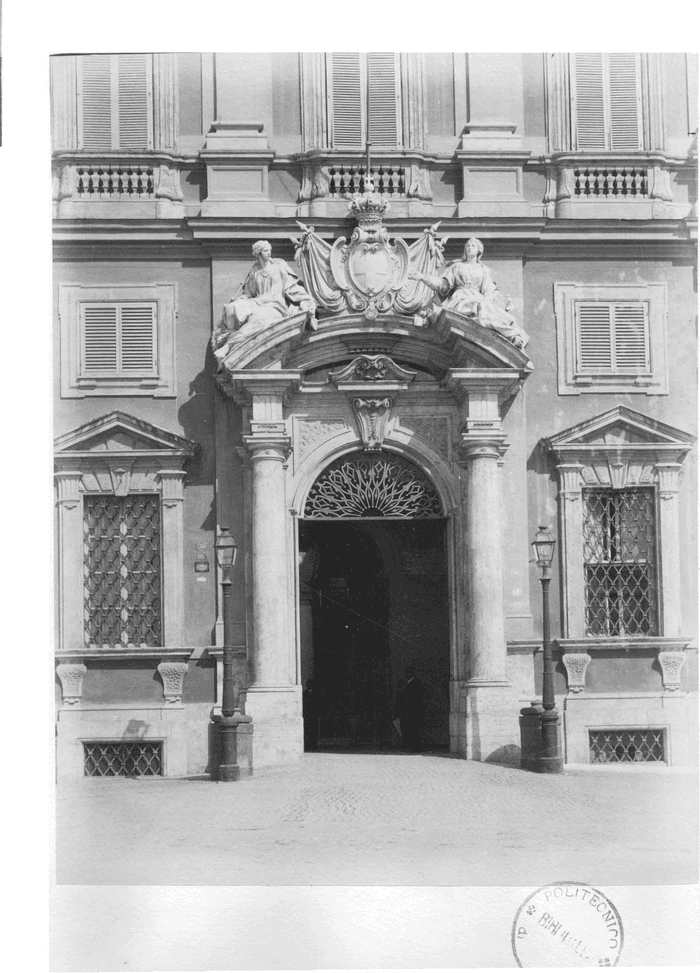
(71,675)
(372,416)
(576,664)
(671,664)
(173,676)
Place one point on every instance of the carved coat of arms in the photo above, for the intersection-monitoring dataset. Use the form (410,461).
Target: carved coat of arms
(370,274)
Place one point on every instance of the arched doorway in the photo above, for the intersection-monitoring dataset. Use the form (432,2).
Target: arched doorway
(373,591)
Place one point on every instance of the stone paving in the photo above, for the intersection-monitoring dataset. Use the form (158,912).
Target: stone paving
(384,819)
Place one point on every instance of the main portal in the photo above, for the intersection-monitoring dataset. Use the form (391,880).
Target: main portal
(374,598)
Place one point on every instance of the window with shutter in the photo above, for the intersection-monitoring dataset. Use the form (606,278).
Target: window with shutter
(119,339)
(116,102)
(359,81)
(607,102)
(612,338)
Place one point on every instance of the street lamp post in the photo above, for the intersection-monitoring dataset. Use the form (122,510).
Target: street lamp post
(550,760)
(231,717)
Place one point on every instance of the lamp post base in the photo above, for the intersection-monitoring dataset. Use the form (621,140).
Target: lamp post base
(236,738)
(550,759)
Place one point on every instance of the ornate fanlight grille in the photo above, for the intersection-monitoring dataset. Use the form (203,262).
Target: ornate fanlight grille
(363,486)
(619,554)
(121,570)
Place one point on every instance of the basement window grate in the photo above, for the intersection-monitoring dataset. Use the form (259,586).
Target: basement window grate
(118,759)
(627,746)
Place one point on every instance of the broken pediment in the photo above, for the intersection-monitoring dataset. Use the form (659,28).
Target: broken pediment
(120,435)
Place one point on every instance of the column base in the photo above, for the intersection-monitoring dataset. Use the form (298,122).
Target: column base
(489,728)
(276,712)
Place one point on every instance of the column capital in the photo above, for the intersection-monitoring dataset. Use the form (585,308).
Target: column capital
(68,487)
(478,446)
(172,486)
(268,447)
(257,386)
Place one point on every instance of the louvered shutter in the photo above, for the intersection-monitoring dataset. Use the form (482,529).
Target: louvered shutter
(607,102)
(347,101)
(383,97)
(612,338)
(133,101)
(138,338)
(590,102)
(96,94)
(631,331)
(595,342)
(624,102)
(119,339)
(116,101)
(100,338)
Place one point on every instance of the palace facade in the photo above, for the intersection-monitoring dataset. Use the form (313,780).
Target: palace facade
(381,414)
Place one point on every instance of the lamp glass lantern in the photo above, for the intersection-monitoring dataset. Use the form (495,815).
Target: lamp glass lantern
(226,550)
(543,546)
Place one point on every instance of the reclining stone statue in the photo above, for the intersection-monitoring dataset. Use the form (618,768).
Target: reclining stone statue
(467,286)
(270,292)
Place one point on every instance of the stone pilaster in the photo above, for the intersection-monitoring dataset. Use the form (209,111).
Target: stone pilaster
(165,102)
(571,538)
(64,103)
(172,515)
(70,558)
(668,477)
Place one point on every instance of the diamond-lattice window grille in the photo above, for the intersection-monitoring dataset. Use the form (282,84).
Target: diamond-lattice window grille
(105,758)
(122,570)
(627,746)
(619,553)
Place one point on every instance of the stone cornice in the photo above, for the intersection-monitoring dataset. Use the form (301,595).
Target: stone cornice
(125,654)
(644,643)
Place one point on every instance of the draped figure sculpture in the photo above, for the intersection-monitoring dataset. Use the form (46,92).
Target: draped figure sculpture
(467,286)
(270,292)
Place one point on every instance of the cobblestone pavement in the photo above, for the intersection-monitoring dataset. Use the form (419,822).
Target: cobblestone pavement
(349,819)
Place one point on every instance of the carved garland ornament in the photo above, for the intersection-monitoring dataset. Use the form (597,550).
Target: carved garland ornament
(372,486)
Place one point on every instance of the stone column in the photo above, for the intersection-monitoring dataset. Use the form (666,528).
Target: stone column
(274,698)
(484,564)
(70,564)
(488,715)
(273,659)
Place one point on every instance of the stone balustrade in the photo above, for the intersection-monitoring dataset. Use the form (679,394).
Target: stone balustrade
(116,185)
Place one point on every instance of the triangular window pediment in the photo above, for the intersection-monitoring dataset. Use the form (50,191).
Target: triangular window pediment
(620,427)
(119,433)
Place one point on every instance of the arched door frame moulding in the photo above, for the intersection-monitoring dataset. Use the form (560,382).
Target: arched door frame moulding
(449,489)
(277,377)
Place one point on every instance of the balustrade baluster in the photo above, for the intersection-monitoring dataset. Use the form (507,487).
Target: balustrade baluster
(402,182)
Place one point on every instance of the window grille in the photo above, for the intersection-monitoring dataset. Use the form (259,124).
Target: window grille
(613,337)
(627,746)
(372,486)
(607,102)
(619,553)
(115,94)
(119,339)
(122,570)
(355,78)
(120,759)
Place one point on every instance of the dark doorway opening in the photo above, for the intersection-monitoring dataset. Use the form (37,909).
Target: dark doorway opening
(373,601)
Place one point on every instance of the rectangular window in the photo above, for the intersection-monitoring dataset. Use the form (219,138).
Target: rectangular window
(619,554)
(119,339)
(122,570)
(612,338)
(606,102)
(115,94)
(355,81)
